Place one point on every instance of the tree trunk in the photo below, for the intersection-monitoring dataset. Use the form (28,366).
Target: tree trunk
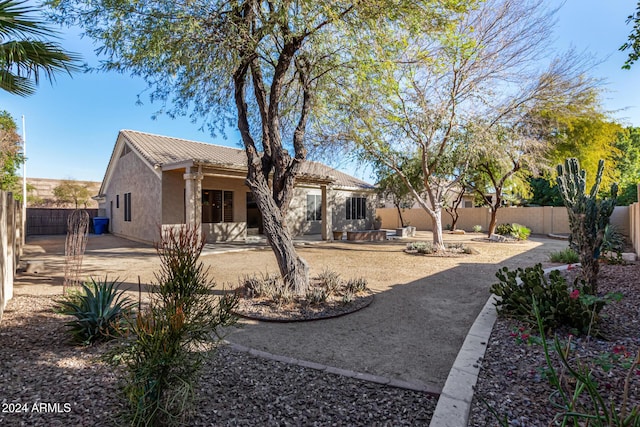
(454,218)
(492,223)
(436,222)
(400,215)
(293,269)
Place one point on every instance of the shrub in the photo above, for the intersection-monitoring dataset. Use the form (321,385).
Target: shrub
(420,247)
(565,256)
(477,228)
(316,296)
(329,279)
(355,286)
(558,305)
(98,308)
(347,298)
(613,240)
(520,232)
(267,285)
(514,230)
(169,341)
(503,229)
(577,396)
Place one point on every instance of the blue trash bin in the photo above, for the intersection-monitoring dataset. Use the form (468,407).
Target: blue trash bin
(100,225)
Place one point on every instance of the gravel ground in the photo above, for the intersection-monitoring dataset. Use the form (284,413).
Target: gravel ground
(46,381)
(512,376)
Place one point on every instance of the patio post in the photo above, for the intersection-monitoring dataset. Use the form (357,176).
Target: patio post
(327,214)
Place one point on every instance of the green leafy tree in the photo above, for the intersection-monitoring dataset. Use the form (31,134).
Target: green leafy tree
(633,42)
(10,152)
(72,192)
(25,54)
(543,193)
(487,66)
(588,138)
(627,162)
(263,64)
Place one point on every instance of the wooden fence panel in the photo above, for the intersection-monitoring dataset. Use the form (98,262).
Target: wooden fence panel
(46,221)
(10,246)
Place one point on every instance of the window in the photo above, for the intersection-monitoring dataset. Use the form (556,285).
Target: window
(117,201)
(217,206)
(356,208)
(314,207)
(127,207)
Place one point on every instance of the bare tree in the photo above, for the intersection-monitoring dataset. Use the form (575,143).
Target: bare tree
(489,68)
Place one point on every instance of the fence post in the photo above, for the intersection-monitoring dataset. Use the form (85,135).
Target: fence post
(11,247)
(3,249)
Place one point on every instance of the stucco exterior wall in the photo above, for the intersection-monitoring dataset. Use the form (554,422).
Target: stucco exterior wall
(297,214)
(132,175)
(336,199)
(340,221)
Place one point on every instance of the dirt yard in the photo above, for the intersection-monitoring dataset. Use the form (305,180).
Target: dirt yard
(412,331)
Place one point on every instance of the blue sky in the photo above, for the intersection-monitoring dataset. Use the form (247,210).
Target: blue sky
(71,127)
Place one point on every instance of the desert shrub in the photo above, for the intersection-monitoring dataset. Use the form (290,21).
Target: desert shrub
(266,285)
(458,247)
(565,256)
(613,240)
(578,395)
(558,305)
(514,230)
(503,229)
(467,250)
(520,232)
(347,298)
(477,228)
(99,309)
(420,247)
(317,295)
(329,279)
(356,285)
(169,341)
(282,295)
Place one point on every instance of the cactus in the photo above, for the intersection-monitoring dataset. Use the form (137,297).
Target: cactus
(588,217)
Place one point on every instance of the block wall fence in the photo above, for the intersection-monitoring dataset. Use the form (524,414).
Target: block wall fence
(541,220)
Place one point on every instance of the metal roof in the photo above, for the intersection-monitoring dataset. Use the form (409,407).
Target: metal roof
(164,150)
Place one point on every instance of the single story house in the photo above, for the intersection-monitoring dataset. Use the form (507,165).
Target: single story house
(155,181)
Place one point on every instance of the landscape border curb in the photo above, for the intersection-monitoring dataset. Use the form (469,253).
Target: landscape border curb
(454,405)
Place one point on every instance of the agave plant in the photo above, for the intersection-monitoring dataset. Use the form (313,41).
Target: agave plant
(99,308)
